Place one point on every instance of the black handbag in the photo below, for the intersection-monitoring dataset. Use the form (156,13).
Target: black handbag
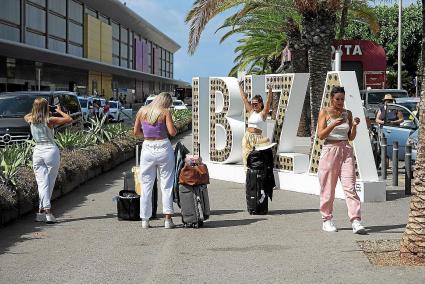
(128,205)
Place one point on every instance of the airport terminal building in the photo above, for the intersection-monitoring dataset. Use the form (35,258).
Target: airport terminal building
(95,47)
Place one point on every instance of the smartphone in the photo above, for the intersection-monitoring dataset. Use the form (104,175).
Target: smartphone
(344,115)
(52,108)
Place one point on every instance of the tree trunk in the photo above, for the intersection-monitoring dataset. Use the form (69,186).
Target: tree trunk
(343,21)
(299,64)
(319,33)
(413,241)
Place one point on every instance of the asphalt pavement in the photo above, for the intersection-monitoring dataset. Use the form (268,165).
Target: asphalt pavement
(89,244)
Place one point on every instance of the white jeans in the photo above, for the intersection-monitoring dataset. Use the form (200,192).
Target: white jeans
(46,160)
(156,156)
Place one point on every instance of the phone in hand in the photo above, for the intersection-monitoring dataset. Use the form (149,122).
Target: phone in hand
(52,108)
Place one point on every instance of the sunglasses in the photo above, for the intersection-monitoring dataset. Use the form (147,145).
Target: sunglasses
(255,103)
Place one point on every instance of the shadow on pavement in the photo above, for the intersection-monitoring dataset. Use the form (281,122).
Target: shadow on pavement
(294,211)
(231,223)
(225,212)
(25,228)
(379,229)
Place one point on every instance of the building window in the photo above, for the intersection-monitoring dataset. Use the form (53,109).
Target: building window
(115,30)
(9,32)
(115,60)
(58,6)
(11,11)
(35,39)
(124,35)
(75,33)
(75,11)
(57,26)
(36,18)
(57,45)
(75,50)
(124,62)
(39,2)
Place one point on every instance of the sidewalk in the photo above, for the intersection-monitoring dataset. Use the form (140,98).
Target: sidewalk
(90,245)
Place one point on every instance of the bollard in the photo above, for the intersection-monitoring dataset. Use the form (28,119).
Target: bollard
(408,170)
(383,158)
(395,163)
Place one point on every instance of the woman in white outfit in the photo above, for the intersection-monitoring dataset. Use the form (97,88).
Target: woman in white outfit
(46,157)
(155,123)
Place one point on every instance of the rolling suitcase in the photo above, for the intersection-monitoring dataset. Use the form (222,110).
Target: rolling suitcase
(257,200)
(195,205)
(194,202)
(131,182)
(259,181)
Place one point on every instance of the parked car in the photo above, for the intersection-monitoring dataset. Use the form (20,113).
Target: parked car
(372,98)
(400,133)
(149,99)
(14,106)
(86,107)
(178,104)
(114,112)
(413,140)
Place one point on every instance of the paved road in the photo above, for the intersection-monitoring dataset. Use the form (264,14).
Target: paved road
(90,245)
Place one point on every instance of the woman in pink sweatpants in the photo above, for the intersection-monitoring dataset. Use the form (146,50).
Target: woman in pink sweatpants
(337,126)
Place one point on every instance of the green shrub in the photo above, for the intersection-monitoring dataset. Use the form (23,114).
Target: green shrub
(11,158)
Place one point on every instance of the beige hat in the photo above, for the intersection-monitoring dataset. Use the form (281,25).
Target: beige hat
(388,97)
(263,144)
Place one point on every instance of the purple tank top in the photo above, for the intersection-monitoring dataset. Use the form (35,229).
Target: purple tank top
(157,130)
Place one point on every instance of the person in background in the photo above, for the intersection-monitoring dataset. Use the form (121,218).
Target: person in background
(388,116)
(46,156)
(415,113)
(337,127)
(155,123)
(256,122)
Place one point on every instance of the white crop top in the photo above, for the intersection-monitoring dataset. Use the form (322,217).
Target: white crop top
(340,132)
(255,120)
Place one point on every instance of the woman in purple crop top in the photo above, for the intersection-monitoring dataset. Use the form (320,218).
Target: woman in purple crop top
(155,123)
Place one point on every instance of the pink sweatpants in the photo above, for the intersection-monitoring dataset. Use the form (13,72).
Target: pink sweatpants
(337,161)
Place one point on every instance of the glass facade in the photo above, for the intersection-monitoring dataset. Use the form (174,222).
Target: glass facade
(59,25)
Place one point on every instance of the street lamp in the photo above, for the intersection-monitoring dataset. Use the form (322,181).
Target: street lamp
(400,3)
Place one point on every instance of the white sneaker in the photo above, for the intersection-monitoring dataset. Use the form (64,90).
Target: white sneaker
(358,228)
(40,217)
(50,218)
(168,224)
(145,224)
(329,226)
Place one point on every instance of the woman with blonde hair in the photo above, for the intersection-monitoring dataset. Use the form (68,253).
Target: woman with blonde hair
(46,156)
(155,123)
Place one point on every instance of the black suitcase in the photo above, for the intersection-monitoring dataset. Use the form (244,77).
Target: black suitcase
(130,185)
(257,200)
(259,181)
(128,205)
(195,205)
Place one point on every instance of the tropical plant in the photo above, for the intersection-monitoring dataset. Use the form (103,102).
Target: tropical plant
(413,240)
(73,139)
(98,131)
(11,158)
(181,114)
(117,130)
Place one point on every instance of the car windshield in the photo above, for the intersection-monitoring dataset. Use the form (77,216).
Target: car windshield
(83,103)
(15,106)
(177,103)
(409,105)
(113,105)
(376,98)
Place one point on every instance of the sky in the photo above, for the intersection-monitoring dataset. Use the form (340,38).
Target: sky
(211,58)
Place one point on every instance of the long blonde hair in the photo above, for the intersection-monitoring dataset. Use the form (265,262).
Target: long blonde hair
(152,111)
(40,111)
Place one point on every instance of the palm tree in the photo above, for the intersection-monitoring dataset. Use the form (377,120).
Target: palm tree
(413,240)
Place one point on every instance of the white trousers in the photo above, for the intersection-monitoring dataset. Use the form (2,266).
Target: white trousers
(156,156)
(46,160)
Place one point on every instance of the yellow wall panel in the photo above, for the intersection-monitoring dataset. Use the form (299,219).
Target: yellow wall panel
(97,77)
(106,43)
(92,38)
(107,85)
